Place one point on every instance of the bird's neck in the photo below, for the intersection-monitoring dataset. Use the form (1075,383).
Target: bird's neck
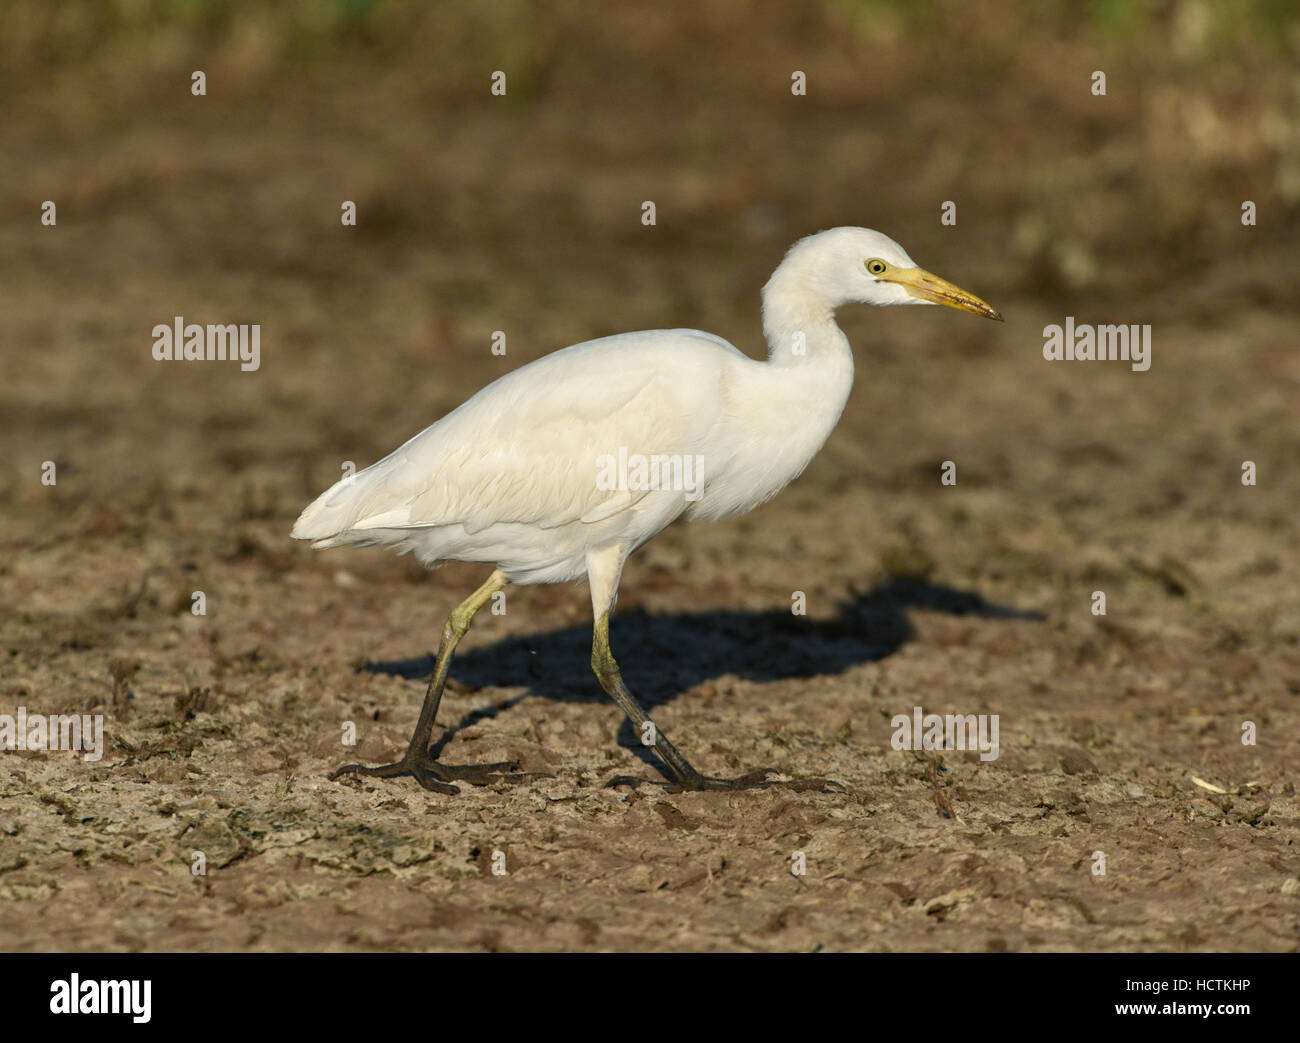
(780,412)
(800,326)
(810,364)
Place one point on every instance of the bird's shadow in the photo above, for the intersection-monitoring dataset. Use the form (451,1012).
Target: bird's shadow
(664,654)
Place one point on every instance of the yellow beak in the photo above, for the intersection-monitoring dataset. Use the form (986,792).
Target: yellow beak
(924,286)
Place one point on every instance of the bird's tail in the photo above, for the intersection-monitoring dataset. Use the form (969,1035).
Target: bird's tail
(329,520)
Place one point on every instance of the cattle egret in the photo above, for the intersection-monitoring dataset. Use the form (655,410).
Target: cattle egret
(564,467)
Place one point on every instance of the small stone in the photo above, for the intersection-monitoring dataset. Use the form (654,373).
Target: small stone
(1076,762)
(943,904)
(1201,808)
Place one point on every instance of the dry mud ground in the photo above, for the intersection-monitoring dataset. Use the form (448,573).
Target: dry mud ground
(1073,478)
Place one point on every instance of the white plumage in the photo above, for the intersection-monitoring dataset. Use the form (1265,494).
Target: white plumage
(517,476)
(510,477)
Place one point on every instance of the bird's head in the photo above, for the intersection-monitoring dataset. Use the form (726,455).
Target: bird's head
(862,266)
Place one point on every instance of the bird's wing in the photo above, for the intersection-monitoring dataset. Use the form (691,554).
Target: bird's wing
(533,446)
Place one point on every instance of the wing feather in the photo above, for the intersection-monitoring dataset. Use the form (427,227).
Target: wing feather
(527,447)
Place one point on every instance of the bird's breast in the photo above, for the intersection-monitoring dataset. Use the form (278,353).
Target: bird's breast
(766,437)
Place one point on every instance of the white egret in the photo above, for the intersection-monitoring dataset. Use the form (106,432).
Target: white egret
(564,467)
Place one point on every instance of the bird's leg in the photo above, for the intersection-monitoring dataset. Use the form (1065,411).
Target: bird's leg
(416,762)
(607,672)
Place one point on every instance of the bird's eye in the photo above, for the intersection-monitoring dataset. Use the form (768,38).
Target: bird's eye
(876,266)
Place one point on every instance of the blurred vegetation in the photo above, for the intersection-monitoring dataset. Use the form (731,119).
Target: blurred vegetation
(522,213)
(38,32)
(910,102)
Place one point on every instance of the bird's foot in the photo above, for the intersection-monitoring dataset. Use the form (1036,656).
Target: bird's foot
(751,780)
(436,776)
